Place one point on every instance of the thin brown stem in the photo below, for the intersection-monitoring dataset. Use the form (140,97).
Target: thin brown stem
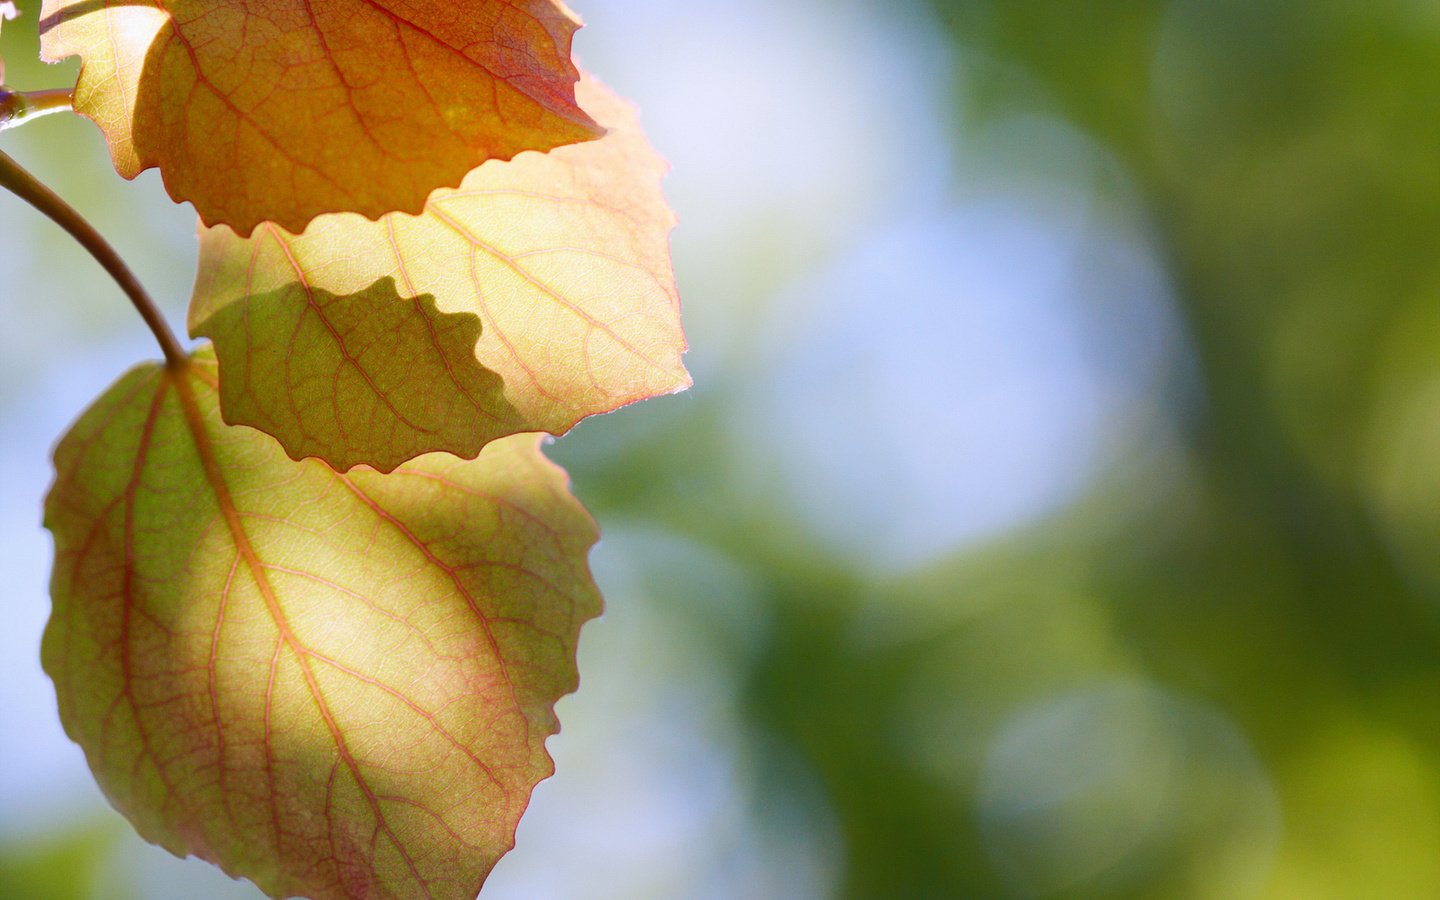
(19,107)
(28,188)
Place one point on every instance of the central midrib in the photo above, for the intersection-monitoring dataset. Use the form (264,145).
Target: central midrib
(211,466)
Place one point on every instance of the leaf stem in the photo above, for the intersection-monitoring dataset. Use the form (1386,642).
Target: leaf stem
(28,188)
(19,107)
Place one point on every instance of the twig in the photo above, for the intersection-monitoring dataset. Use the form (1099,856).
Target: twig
(28,188)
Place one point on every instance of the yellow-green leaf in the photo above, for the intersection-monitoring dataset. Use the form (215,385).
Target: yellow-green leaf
(564,257)
(367,378)
(280,110)
(336,685)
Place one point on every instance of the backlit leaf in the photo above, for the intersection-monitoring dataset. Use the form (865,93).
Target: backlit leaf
(564,257)
(368,378)
(335,685)
(279,110)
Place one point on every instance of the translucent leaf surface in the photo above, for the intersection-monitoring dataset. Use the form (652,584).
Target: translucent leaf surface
(367,378)
(564,258)
(335,685)
(279,110)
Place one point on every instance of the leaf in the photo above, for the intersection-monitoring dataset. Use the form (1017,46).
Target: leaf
(367,378)
(335,685)
(564,257)
(280,110)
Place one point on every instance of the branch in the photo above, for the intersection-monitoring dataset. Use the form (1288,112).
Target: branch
(28,188)
(19,107)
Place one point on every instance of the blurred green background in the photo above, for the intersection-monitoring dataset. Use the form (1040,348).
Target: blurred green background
(1057,509)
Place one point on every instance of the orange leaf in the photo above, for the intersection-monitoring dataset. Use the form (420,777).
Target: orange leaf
(280,110)
(563,257)
(334,685)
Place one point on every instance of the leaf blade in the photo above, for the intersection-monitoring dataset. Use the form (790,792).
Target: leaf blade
(367,378)
(281,110)
(248,689)
(563,257)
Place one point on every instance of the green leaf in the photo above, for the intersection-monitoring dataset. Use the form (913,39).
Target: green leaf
(368,378)
(564,257)
(334,685)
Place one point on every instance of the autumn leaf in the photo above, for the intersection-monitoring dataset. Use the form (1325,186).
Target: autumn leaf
(563,257)
(334,685)
(367,378)
(280,110)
